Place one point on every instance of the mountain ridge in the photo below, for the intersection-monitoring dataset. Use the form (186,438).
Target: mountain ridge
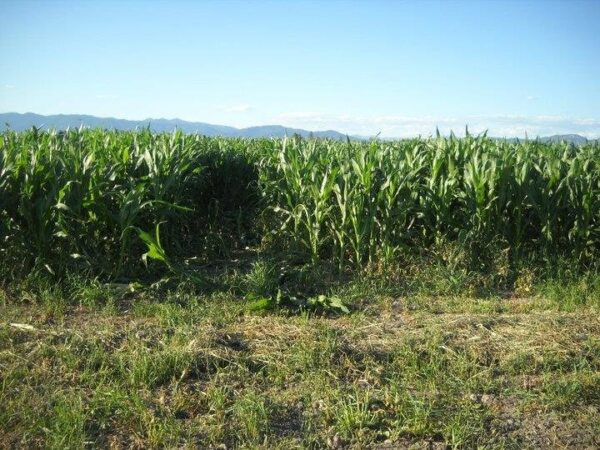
(23,121)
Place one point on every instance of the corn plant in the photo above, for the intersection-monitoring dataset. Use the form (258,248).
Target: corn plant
(76,199)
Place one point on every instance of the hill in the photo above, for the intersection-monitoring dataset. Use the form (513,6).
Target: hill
(20,122)
(572,138)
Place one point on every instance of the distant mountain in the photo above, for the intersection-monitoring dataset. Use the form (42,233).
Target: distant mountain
(572,138)
(19,122)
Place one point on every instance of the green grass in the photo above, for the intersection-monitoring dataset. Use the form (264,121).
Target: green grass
(178,369)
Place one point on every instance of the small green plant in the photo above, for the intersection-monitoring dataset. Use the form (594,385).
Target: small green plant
(258,303)
(328,304)
(319,303)
(263,279)
(156,252)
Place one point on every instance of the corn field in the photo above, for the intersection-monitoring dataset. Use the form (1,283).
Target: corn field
(79,199)
(363,202)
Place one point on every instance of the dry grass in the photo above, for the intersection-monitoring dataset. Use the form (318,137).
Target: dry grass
(211,375)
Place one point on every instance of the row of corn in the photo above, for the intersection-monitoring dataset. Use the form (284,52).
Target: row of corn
(77,198)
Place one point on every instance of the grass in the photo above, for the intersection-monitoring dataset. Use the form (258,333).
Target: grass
(174,368)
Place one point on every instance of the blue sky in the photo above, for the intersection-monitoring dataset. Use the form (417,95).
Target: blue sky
(361,67)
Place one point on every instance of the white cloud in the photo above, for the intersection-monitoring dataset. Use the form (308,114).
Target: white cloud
(405,126)
(9,86)
(237,108)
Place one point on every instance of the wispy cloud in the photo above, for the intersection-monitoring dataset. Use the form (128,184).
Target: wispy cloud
(404,126)
(237,108)
(9,86)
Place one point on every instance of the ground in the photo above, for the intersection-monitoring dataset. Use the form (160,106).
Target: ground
(194,371)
